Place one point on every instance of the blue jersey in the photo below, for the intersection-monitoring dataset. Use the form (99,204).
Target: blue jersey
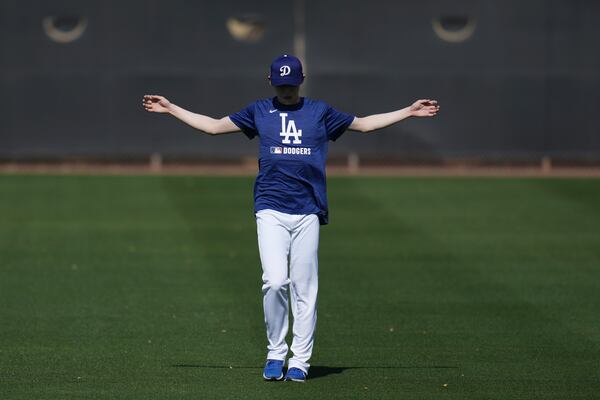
(293,151)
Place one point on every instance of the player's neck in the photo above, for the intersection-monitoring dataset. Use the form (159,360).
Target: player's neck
(289,101)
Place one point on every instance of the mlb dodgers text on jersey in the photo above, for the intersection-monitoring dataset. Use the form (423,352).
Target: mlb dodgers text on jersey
(301,151)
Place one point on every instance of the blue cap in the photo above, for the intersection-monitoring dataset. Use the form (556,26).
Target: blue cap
(286,70)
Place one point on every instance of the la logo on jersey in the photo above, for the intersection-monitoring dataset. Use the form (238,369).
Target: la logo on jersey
(288,130)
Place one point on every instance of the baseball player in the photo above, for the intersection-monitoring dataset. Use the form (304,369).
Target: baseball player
(290,199)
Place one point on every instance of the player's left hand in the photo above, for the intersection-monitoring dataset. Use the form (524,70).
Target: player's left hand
(424,108)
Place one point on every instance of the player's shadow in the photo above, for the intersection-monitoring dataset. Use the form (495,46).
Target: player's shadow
(317,371)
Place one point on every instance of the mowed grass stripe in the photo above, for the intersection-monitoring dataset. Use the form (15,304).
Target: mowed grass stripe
(512,302)
(137,287)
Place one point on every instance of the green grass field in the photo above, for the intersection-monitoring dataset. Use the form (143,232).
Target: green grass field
(149,288)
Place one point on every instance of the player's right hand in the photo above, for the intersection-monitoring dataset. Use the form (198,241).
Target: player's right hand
(156,103)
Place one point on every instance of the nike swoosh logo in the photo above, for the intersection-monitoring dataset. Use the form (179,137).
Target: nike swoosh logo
(272,111)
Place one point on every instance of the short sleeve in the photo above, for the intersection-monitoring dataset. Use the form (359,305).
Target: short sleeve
(336,123)
(244,119)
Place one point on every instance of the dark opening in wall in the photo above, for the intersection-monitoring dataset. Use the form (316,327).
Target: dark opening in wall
(64,28)
(454,28)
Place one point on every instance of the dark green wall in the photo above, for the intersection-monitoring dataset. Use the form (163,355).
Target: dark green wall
(524,85)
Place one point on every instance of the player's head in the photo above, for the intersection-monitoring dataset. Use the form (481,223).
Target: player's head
(286,70)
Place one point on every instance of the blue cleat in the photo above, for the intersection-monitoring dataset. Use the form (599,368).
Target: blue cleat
(295,375)
(273,370)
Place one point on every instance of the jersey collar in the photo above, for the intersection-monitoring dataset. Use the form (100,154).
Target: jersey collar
(283,107)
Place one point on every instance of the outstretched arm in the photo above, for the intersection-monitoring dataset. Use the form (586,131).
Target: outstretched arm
(211,126)
(420,108)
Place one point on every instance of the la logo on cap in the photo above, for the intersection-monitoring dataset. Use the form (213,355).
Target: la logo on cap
(285,70)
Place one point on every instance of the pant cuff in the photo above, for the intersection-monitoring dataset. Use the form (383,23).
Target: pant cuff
(298,364)
(275,356)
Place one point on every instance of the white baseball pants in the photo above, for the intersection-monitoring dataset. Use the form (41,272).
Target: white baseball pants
(293,240)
